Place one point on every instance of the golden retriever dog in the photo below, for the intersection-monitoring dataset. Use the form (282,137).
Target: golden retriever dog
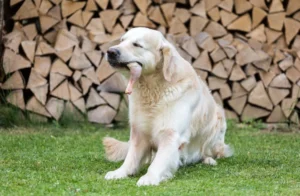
(173,117)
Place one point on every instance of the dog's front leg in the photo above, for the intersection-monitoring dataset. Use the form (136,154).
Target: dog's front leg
(166,160)
(139,147)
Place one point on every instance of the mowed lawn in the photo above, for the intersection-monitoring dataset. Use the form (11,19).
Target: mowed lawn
(69,160)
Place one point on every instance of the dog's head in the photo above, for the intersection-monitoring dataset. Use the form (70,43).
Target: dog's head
(147,48)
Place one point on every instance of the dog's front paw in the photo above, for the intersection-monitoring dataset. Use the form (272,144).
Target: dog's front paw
(209,161)
(148,180)
(117,174)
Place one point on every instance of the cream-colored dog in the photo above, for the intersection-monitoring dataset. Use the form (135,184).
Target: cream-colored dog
(174,119)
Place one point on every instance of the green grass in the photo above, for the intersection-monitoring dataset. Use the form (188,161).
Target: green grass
(50,159)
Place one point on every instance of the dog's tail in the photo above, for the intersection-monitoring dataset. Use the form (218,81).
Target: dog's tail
(115,150)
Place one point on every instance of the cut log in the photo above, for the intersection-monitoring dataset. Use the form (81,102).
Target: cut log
(277,95)
(203,62)
(280,81)
(85,84)
(202,74)
(30,31)
(220,71)
(199,9)
(245,56)
(51,37)
(16,98)
(26,11)
(183,15)
(47,22)
(104,70)
(237,73)
(35,106)
(276,21)
(242,6)
(227,17)
(29,49)
(191,48)
(44,49)
(40,93)
(78,60)
(249,83)
(215,83)
(296,91)
(114,84)
(77,75)
(126,20)
(293,74)
(45,6)
(168,10)
(238,90)
(94,99)
(74,92)
(62,91)
(230,115)
(197,24)
(177,27)
(102,4)
(94,56)
(251,112)
(288,105)
(42,65)
(70,7)
(205,41)
(225,92)
(243,23)
(286,63)
(142,5)
(80,104)
(102,114)
(116,3)
(209,4)
(35,80)
(272,35)
(55,107)
(291,29)
(214,14)
(65,55)
(226,5)
(109,18)
(294,118)
(276,116)
(259,3)
(258,34)
(55,80)
(257,16)
(156,15)
(80,18)
(91,6)
(217,98)
(91,74)
(238,104)
(60,67)
(259,97)
(13,40)
(112,99)
(297,16)
(228,65)
(13,62)
(65,40)
(215,29)
(128,7)
(217,55)
(95,27)
(292,6)
(70,112)
(276,6)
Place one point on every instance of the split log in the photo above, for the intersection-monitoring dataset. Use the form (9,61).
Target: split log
(259,97)
(277,95)
(251,112)
(40,93)
(102,114)
(16,98)
(13,62)
(35,106)
(238,104)
(62,91)
(55,107)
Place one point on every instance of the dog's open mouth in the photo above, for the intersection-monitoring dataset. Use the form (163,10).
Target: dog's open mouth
(135,70)
(135,73)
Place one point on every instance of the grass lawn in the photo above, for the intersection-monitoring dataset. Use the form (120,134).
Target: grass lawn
(66,160)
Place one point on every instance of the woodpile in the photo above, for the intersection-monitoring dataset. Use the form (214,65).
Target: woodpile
(247,51)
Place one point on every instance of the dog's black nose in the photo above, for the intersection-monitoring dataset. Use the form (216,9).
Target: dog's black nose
(113,53)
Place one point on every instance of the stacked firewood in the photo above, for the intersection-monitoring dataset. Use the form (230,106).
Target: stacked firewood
(247,51)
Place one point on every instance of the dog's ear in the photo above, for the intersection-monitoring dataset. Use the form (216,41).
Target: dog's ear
(170,61)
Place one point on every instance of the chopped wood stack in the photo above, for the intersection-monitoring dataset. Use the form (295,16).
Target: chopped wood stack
(248,52)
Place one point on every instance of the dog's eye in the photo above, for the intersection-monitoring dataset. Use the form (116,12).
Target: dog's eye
(137,45)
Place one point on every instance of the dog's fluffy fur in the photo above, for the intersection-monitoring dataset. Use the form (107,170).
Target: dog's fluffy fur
(174,119)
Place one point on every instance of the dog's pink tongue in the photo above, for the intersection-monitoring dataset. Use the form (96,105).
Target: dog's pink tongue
(135,73)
